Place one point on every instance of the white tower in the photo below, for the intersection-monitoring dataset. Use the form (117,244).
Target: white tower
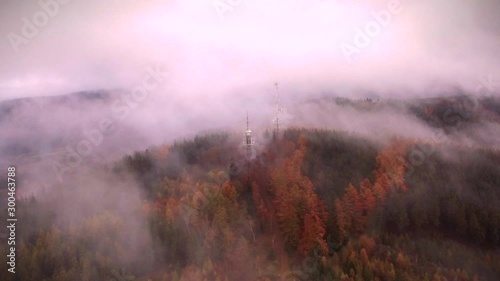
(248,140)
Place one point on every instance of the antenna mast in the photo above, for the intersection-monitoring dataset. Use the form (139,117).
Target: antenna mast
(277,112)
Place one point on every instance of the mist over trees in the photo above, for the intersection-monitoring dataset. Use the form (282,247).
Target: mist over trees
(370,151)
(313,205)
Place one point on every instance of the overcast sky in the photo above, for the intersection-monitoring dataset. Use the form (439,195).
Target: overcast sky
(109,43)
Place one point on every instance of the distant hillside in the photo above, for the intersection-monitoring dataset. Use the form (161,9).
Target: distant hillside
(437,112)
(10,108)
(38,132)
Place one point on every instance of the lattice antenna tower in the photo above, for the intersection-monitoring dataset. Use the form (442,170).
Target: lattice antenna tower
(277,111)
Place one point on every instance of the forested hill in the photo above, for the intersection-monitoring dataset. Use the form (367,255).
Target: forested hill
(309,205)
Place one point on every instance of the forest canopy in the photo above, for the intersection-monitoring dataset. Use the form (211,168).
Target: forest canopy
(311,205)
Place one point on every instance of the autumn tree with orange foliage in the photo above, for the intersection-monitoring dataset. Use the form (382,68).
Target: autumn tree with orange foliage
(354,208)
(391,163)
(300,214)
(341,221)
(314,227)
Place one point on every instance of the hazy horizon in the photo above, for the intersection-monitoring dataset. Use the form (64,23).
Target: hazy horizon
(423,48)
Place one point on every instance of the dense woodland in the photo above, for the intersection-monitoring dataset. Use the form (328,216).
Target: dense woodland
(311,205)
